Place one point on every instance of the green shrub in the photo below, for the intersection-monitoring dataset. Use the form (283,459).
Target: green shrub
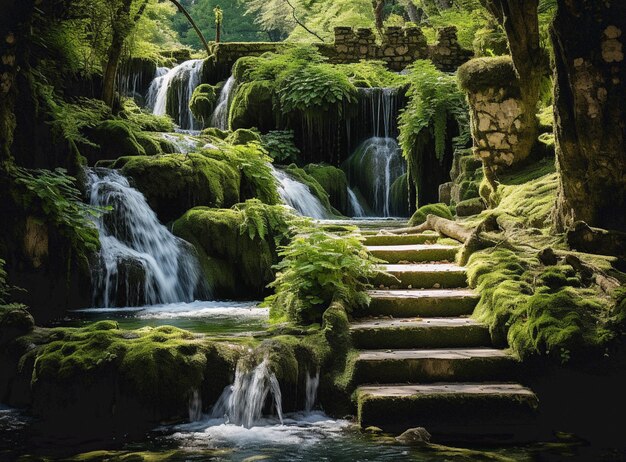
(202,102)
(419,217)
(281,146)
(317,268)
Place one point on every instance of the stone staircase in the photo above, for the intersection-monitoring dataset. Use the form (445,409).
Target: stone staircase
(423,361)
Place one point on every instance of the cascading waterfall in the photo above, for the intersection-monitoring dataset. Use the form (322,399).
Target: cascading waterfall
(312,384)
(356,209)
(298,196)
(377,163)
(183,143)
(219,118)
(195,406)
(141,262)
(242,402)
(155,86)
(178,83)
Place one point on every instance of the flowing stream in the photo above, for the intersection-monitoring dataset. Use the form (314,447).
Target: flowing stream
(141,262)
(219,119)
(298,196)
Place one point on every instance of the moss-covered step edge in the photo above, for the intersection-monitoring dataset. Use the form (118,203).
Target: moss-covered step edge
(422,302)
(414,252)
(454,409)
(421,276)
(433,365)
(399,239)
(419,333)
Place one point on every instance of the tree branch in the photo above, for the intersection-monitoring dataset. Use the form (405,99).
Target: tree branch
(300,23)
(193,24)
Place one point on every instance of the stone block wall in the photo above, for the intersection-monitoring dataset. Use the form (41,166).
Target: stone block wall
(446,53)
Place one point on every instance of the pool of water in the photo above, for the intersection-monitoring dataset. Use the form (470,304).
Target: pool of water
(217,318)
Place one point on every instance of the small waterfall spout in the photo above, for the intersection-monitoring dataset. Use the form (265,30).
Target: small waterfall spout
(356,209)
(155,86)
(242,402)
(219,118)
(172,92)
(298,196)
(141,262)
(312,383)
(373,167)
(195,406)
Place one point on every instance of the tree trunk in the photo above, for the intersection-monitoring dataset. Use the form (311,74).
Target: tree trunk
(110,72)
(379,6)
(413,12)
(590,113)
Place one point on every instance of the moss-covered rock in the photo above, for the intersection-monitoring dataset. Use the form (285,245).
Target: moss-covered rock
(253,106)
(481,74)
(469,207)
(216,133)
(334,182)
(243,136)
(236,252)
(151,144)
(15,321)
(314,186)
(115,138)
(174,183)
(419,217)
(202,102)
(400,191)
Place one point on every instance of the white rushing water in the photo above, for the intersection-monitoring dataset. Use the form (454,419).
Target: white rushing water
(141,262)
(155,86)
(356,209)
(312,384)
(182,142)
(186,77)
(219,118)
(298,196)
(382,104)
(242,402)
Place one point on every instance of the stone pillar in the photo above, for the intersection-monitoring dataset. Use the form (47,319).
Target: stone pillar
(446,53)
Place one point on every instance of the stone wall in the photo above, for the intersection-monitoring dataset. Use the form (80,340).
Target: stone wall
(398,47)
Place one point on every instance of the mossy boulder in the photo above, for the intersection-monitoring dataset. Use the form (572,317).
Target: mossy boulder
(127,381)
(215,132)
(174,183)
(399,206)
(470,207)
(237,264)
(481,74)
(440,210)
(15,321)
(152,144)
(314,186)
(253,106)
(334,182)
(243,136)
(202,102)
(115,138)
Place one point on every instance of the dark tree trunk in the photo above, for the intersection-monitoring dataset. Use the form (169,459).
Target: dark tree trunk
(378,6)
(520,20)
(590,113)
(413,12)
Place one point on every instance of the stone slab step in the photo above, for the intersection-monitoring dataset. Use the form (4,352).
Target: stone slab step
(422,302)
(461,409)
(434,365)
(419,333)
(421,276)
(400,239)
(414,252)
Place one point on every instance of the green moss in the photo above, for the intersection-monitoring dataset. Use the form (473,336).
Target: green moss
(174,183)
(202,102)
(244,66)
(116,139)
(314,186)
(243,136)
(400,196)
(139,119)
(237,247)
(253,106)
(480,74)
(150,143)
(419,217)
(334,182)
(216,133)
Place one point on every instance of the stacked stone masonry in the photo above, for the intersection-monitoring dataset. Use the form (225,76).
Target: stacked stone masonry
(398,47)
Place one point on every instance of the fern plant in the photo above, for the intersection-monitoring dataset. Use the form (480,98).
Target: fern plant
(55,193)
(264,220)
(316,268)
(280,146)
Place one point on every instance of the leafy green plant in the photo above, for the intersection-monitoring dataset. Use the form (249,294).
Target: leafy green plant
(266,220)
(317,268)
(280,146)
(55,192)
(140,119)
(4,287)
(372,74)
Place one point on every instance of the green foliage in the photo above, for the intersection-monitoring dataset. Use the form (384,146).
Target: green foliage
(433,98)
(56,194)
(372,74)
(264,220)
(280,146)
(140,119)
(4,287)
(317,268)
(440,210)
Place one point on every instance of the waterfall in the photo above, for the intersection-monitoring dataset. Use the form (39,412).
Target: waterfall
(141,262)
(381,105)
(298,196)
(172,92)
(373,168)
(219,118)
(356,210)
(312,383)
(195,406)
(182,142)
(242,402)
(155,86)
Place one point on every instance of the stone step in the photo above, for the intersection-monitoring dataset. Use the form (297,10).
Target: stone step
(434,365)
(414,252)
(422,302)
(400,239)
(421,276)
(450,410)
(378,333)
